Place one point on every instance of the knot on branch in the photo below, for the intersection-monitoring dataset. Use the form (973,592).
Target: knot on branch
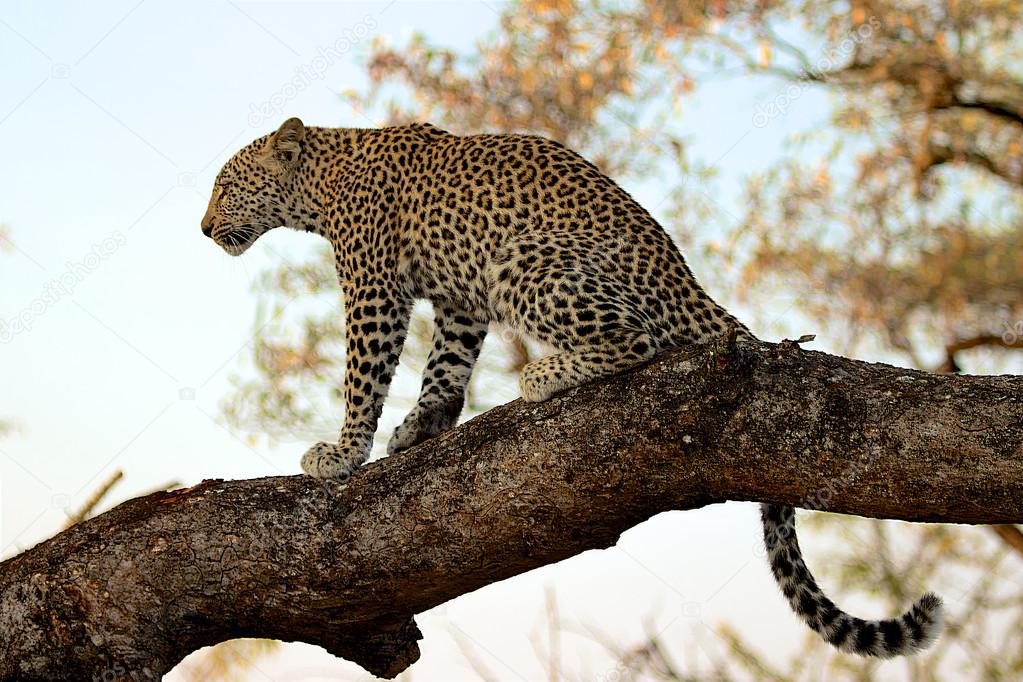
(383,648)
(794,345)
(728,353)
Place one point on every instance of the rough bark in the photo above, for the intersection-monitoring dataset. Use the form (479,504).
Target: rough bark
(128,594)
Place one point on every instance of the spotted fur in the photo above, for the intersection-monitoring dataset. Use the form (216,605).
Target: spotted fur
(912,631)
(513,230)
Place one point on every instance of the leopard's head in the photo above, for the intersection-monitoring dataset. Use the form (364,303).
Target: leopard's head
(255,190)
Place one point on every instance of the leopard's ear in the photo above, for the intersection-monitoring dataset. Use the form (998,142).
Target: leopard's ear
(286,144)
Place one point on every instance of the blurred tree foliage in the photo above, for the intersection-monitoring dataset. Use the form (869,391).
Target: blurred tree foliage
(978,576)
(233,661)
(908,228)
(5,238)
(6,425)
(897,226)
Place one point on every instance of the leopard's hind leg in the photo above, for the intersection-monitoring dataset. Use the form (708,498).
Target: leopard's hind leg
(540,379)
(457,340)
(550,289)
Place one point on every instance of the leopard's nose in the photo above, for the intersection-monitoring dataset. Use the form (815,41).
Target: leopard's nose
(207,228)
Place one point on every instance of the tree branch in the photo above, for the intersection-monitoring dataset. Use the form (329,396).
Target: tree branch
(951,363)
(129,593)
(1001,110)
(939,154)
(1010,535)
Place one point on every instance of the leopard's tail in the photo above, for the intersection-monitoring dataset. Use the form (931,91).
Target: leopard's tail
(912,631)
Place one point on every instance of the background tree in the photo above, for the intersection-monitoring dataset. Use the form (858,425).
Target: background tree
(897,226)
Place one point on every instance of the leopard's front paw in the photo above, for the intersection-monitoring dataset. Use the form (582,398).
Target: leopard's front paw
(423,423)
(332,461)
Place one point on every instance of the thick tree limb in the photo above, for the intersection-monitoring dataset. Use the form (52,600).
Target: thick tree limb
(128,594)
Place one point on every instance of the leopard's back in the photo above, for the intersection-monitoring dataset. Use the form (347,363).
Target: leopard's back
(476,204)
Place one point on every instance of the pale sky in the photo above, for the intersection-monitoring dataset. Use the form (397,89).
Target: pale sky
(123,322)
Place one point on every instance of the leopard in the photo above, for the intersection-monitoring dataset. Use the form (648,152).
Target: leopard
(509,231)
